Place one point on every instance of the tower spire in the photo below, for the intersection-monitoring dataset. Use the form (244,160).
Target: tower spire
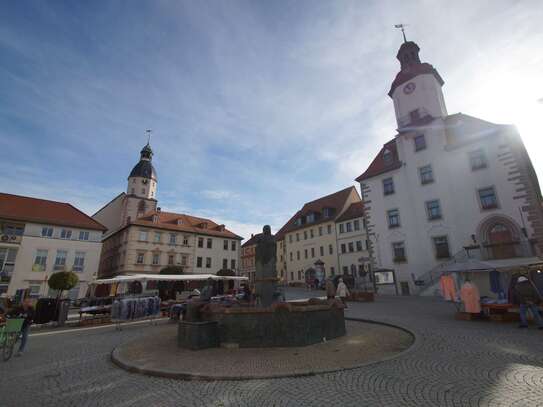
(402,27)
(148,131)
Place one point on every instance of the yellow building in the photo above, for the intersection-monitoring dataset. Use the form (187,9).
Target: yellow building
(309,240)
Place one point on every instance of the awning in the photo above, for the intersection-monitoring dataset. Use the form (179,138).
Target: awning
(165,277)
(473,265)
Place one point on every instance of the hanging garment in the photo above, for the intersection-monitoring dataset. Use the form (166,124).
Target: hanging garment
(448,288)
(469,294)
(495,283)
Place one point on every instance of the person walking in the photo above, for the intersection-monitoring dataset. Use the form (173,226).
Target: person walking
(529,299)
(342,291)
(26,311)
(330,289)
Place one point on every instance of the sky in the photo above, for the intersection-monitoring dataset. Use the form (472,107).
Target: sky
(256,107)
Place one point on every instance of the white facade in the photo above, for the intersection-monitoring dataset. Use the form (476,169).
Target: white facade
(444,173)
(64,248)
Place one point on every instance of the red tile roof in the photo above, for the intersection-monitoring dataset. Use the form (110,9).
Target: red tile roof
(334,201)
(355,210)
(414,70)
(27,209)
(378,165)
(184,223)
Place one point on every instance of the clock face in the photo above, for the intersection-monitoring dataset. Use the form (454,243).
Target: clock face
(409,88)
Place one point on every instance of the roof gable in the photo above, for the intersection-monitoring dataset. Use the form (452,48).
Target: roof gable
(380,165)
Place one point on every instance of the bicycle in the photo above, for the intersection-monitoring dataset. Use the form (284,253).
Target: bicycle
(9,335)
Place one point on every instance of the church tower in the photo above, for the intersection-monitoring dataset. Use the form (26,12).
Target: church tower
(416,90)
(141,188)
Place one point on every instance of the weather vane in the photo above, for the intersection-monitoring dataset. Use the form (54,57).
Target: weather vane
(401,27)
(148,131)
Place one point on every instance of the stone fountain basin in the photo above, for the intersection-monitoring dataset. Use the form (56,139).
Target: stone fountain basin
(281,325)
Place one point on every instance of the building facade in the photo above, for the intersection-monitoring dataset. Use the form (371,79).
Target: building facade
(40,237)
(145,239)
(446,184)
(248,258)
(307,245)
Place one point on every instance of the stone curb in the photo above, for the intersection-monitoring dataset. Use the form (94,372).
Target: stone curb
(133,368)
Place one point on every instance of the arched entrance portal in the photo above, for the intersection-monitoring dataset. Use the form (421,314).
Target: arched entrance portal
(500,238)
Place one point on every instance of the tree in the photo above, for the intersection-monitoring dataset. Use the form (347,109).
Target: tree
(63,281)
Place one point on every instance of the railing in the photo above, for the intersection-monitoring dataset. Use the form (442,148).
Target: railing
(477,252)
(413,118)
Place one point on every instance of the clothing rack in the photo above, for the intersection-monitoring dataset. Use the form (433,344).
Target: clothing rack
(135,308)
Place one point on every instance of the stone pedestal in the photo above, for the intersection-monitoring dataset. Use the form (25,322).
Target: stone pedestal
(198,335)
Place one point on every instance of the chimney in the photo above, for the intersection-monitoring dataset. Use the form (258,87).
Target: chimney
(158,209)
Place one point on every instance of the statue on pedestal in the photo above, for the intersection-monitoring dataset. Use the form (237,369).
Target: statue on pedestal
(265,273)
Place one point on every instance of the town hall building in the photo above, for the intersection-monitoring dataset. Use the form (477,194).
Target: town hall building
(446,186)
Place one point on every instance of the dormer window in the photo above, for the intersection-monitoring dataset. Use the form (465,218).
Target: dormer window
(310,218)
(327,212)
(179,221)
(387,156)
(155,218)
(298,222)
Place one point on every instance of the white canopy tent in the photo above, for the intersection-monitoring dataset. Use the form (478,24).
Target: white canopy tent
(473,265)
(165,277)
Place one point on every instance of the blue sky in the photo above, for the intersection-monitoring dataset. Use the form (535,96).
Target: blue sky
(256,106)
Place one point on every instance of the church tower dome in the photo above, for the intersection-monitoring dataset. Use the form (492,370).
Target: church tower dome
(142,181)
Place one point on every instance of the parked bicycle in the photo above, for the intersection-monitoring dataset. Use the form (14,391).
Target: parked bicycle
(9,334)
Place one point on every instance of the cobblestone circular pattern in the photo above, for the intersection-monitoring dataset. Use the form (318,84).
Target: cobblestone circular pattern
(452,363)
(159,355)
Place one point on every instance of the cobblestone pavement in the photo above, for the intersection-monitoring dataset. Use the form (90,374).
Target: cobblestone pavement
(452,363)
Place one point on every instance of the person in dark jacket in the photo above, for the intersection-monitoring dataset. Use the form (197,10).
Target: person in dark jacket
(26,311)
(528,298)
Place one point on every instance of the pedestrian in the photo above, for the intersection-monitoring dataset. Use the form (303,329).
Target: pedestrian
(342,291)
(25,311)
(330,289)
(529,299)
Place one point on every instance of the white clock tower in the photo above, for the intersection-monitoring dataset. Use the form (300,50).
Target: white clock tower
(416,90)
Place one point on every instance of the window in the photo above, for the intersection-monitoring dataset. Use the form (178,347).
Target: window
(433,210)
(349,227)
(359,246)
(341,228)
(173,238)
(322,250)
(329,229)
(185,240)
(79,262)
(297,237)
(233,245)
(140,258)
(233,264)
(327,212)
(200,242)
(47,232)
(225,244)
(388,186)
(343,248)
(345,270)
(441,245)
(290,238)
(40,262)
(332,271)
(488,199)
(312,252)
(311,233)
(34,289)
(310,218)
(305,234)
(387,156)
(156,259)
(356,224)
(183,260)
(320,230)
(158,237)
(60,260)
(351,247)
(297,255)
(393,218)
(330,249)
(170,259)
(420,142)
(83,235)
(426,174)
(65,234)
(305,253)
(209,243)
(477,160)
(198,262)
(208,262)
(291,256)
(398,251)
(224,264)
(143,235)
(14,230)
